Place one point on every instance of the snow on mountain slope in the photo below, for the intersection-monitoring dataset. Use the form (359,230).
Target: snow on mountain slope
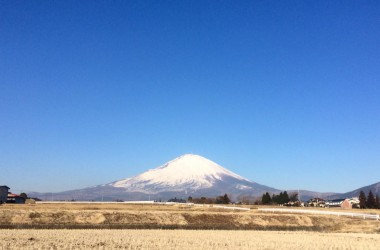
(185,172)
(187,175)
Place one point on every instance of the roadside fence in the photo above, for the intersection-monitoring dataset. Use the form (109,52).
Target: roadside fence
(304,211)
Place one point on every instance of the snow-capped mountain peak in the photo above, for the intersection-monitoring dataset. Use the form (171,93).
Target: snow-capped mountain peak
(187,175)
(185,172)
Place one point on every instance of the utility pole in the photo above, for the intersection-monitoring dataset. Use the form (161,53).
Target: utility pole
(299,196)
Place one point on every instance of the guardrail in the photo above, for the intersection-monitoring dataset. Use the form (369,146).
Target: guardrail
(285,210)
(145,202)
(79,202)
(232,208)
(218,206)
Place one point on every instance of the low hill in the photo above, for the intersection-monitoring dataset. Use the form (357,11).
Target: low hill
(375,188)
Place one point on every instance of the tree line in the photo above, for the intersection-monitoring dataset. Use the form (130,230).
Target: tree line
(281,198)
(370,201)
(223,199)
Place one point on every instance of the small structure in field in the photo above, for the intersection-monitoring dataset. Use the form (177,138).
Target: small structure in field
(3,194)
(294,204)
(30,201)
(343,203)
(316,202)
(354,201)
(335,203)
(346,204)
(16,199)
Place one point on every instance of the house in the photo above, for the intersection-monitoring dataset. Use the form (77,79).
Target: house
(3,194)
(346,204)
(316,202)
(354,201)
(342,203)
(294,204)
(334,203)
(14,198)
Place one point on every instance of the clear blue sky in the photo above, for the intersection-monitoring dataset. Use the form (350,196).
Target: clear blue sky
(285,93)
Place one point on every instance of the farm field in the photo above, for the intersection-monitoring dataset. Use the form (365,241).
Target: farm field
(182,239)
(177,216)
(154,207)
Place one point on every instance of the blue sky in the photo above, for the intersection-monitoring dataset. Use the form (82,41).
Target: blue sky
(285,93)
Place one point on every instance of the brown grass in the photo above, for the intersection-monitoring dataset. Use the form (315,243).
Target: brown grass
(181,239)
(130,216)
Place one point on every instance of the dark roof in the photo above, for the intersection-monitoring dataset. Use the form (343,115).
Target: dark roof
(5,187)
(336,200)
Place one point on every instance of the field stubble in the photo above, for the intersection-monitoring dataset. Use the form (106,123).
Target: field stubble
(25,227)
(129,216)
(182,239)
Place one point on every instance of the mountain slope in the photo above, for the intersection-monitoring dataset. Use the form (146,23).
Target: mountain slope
(190,175)
(305,195)
(375,188)
(190,172)
(187,175)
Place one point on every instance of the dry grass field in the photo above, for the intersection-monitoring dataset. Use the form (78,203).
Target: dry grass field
(124,226)
(146,216)
(183,239)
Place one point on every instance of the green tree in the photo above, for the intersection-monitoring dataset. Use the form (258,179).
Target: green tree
(226,199)
(24,195)
(281,198)
(274,198)
(219,200)
(269,198)
(371,202)
(266,199)
(285,198)
(362,199)
(377,201)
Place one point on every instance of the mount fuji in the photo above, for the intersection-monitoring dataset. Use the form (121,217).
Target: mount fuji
(187,175)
